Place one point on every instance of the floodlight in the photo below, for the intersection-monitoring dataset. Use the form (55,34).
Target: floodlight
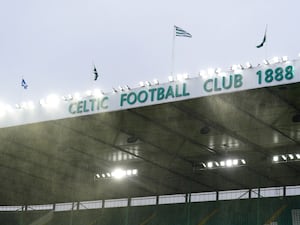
(218,70)
(77,96)
(284,58)
(127,87)
(147,83)
(121,88)
(284,157)
(202,73)
(291,156)
(171,78)
(52,100)
(266,62)
(185,76)
(30,105)
(229,163)
(222,163)
(103,175)
(142,84)
(118,173)
(240,66)
(235,162)
(248,65)
(210,71)
(234,67)
(129,172)
(179,77)
(134,171)
(88,93)
(155,81)
(114,90)
(209,164)
(97,93)
(275,59)
(97,175)
(243,161)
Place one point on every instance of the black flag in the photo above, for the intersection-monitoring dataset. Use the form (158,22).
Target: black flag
(95,73)
(24,84)
(264,39)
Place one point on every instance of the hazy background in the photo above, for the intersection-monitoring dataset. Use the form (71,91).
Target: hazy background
(54,44)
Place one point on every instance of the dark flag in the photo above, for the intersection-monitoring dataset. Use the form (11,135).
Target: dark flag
(24,84)
(264,39)
(181,33)
(95,73)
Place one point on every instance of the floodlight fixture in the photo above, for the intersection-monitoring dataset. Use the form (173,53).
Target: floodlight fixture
(235,162)
(275,158)
(284,58)
(179,77)
(209,164)
(77,96)
(202,73)
(170,78)
(241,67)
(17,106)
(88,93)
(147,83)
(67,97)
(236,67)
(121,88)
(211,71)
(127,87)
(155,81)
(185,76)
(228,163)
(142,84)
(284,158)
(117,173)
(248,65)
(114,90)
(276,59)
(97,93)
(266,62)
(218,70)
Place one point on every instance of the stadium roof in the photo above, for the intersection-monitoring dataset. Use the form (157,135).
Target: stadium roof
(176,147)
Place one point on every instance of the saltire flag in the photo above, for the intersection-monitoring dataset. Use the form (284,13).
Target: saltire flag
(181,33)
(24,84)
(95,73)
(264,39)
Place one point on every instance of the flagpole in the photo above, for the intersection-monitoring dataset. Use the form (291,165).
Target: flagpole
(173,53)
(266,49)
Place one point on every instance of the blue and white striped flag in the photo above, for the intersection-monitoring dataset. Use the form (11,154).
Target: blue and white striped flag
(181,33)
(24,84)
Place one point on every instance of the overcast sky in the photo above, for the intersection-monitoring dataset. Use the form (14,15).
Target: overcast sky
(54,44)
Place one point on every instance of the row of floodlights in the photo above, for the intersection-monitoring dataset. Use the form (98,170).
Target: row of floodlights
(53,100)
(117,174)
(286,157)
(228,163)
(237,67)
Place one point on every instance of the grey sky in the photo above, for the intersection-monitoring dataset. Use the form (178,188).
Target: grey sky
(53,44)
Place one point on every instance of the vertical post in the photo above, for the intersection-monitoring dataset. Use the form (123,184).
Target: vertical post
(173,51)
(266,43)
